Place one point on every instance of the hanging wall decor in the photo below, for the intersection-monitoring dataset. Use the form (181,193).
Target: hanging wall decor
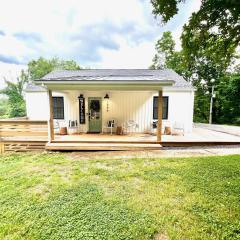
(82,119)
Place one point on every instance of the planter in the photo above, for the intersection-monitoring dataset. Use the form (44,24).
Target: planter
(63,131)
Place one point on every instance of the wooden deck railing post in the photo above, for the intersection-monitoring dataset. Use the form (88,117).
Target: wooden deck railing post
(50,121)
(159,125)
(1,146)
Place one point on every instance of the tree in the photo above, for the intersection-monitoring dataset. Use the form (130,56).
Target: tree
(215,26)
(200,70)
(40,67)
(164,48)
(3,108)
(223,14)
(227,103)
(36,69)
(14,92)
(167,57)
(209,42)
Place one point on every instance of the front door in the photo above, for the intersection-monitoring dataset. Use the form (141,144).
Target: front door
(95,114)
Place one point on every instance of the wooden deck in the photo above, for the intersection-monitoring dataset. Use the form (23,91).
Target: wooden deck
(32,136)
(94,146)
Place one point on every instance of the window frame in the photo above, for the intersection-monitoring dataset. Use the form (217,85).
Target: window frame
(61,107)
(155,107)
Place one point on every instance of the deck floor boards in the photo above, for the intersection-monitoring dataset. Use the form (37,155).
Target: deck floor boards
(136,141)
(101,146)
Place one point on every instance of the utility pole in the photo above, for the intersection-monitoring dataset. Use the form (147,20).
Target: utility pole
(211,106)
(211,102)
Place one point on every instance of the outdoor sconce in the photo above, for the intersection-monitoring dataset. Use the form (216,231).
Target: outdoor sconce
(107,98)
(81,96)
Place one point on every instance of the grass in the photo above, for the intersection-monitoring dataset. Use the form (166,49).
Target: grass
(53,196)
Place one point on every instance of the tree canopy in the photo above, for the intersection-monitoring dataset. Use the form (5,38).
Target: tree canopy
(209,43)
(164,51)
(14,92)
(42,66)
(167,57)
(200,70)
(36,69)
(215,26)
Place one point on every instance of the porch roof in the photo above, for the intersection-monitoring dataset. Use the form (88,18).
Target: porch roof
(112,79)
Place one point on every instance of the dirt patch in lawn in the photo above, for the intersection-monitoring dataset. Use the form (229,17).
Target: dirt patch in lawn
(164,152)
(160,236)
(40,190)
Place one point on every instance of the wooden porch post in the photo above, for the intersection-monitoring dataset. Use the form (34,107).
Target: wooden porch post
(159,125)
(50,121)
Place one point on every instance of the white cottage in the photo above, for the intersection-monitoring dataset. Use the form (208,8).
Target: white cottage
(87,100)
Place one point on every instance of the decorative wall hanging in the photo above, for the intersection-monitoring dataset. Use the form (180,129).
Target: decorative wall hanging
(82,119)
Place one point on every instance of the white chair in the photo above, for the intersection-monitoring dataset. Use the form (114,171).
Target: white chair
(178,127)
(130,125)
(72,127)
(110,125)
(154,125)
(56,126)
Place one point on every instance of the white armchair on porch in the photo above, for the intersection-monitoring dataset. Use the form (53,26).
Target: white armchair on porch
(56,126)
(154,124)
(130,126)
(178,127)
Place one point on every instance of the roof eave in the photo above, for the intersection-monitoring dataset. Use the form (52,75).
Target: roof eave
(106,85)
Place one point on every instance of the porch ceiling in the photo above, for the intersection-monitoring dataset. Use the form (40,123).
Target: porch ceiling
(116,85)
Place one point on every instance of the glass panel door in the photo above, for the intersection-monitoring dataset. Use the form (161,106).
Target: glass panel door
(95,114)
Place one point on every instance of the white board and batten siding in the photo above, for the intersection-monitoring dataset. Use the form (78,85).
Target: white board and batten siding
(37,105)
(123,106)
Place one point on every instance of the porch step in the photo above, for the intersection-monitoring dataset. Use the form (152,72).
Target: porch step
(58,146)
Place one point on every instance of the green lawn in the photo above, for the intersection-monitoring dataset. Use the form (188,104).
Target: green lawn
(51,196)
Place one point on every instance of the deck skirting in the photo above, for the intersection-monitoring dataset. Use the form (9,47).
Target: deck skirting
(22,146)
(41,145)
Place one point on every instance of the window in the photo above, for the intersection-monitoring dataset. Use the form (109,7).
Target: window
(165,108)
(58,108)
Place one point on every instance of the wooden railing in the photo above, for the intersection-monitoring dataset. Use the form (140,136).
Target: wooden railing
(19,128)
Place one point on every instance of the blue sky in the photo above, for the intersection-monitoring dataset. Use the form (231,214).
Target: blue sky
(96,34)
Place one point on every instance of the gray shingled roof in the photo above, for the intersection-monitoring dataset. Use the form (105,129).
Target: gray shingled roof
(31,87)
(117,75)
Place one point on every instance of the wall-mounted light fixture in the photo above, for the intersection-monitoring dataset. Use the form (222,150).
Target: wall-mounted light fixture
(80,96)
(107,98)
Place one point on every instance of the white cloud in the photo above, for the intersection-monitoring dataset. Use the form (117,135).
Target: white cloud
(107,33)
(127,56)
(9,72)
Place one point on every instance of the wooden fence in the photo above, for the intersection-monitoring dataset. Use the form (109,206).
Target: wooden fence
(22,135)
(22,146)
(22,128)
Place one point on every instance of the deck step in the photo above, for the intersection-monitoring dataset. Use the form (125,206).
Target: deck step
(101,146)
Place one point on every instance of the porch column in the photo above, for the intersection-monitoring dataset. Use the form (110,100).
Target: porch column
(159,125)
(50,121)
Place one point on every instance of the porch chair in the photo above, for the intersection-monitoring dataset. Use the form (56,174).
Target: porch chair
(154,124)
(56,126)
(72,126)
(129,125)
(110,125)
(178,127)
